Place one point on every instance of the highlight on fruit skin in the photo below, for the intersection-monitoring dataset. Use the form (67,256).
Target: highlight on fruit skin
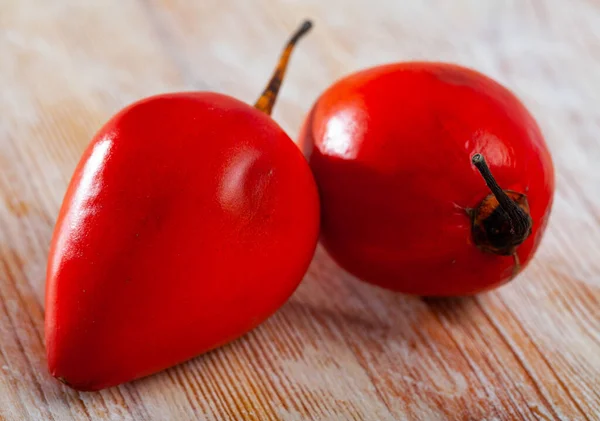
(435,180)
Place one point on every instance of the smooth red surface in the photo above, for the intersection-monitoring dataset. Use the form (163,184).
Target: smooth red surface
(391,147)
(190,219)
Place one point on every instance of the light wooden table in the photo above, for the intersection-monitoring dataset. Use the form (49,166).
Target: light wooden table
(339,349)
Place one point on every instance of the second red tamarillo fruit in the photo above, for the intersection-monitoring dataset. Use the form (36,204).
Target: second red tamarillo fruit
(435,180)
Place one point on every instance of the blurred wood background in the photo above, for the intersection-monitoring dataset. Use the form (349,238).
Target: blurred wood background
(339,350)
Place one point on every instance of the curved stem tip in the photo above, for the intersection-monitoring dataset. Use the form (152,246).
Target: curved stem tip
(268,97)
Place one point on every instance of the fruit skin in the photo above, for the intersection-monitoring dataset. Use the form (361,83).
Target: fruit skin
(190,219)
(390,148)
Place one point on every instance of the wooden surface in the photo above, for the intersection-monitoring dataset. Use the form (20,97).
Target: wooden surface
(339,349)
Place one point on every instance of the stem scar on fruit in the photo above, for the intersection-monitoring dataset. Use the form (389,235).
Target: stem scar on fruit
(502,221)
(267,99)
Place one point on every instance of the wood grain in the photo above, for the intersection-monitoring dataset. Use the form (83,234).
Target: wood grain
(339,350)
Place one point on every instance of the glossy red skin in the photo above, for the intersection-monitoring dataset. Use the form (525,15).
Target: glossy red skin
(190,219)
(391,148)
